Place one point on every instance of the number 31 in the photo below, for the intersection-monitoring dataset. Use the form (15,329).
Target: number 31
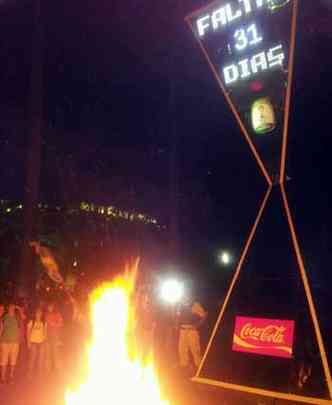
(245,37)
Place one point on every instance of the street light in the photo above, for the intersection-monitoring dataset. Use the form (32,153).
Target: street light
(171,291)
(225,258)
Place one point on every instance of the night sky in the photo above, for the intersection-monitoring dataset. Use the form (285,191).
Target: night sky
(125,84)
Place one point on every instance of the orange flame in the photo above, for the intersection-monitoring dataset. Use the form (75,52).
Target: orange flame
(115,372)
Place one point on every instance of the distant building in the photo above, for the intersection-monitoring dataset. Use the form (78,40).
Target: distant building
(87,238)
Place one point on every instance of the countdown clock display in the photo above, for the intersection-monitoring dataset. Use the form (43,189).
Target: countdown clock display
(247,44)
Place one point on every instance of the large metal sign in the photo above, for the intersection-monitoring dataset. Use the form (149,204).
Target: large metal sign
(249,46)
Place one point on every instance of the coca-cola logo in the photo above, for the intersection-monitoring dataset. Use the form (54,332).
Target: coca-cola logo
(269,334)
(263,336)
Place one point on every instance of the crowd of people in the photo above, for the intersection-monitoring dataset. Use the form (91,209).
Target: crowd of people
(42,340)
(34,339)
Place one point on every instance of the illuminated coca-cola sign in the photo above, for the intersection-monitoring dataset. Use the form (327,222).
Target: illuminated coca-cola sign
(269,337)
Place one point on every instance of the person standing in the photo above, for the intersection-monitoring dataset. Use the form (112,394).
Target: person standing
(145,325)
(10,341)
(2,312)
(77,335)
(54,325)
(190,317)
(36,337)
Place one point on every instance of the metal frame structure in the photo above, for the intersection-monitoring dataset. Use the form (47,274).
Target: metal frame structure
(299,259)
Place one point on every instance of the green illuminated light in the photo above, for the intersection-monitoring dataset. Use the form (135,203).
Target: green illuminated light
(275,4)
(263,116)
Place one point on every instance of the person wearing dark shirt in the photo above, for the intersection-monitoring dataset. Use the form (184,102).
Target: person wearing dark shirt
(190,317)
(2,312)
(54,324)
(145,326)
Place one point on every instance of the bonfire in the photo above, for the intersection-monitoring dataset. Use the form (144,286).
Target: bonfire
(115,372)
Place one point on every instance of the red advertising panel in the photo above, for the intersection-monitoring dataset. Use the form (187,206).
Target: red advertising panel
(269,337)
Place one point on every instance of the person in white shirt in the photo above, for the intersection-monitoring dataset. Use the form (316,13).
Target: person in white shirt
(36,336)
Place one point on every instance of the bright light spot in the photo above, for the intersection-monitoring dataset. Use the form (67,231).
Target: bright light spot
(115,372)
(172,291)
(225,258)
(275,4)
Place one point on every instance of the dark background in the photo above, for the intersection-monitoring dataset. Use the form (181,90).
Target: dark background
(126,89)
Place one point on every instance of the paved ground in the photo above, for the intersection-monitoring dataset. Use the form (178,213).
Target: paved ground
(180,391)
(35,392)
